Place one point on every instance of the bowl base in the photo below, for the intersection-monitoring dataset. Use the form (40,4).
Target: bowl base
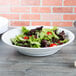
(42,54)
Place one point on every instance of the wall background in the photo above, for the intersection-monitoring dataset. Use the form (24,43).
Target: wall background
(39,12)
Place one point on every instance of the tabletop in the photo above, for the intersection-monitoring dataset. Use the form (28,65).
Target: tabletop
(12,63)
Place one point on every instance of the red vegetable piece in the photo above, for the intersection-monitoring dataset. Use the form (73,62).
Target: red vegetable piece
(49,33)
(51,45)
(58,42)
(26,37)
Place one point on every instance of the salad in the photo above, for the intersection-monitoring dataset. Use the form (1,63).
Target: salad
(40,37)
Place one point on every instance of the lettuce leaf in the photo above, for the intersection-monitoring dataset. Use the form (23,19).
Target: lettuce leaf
(24,30)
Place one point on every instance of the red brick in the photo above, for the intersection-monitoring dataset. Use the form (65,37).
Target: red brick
(75,10)
(41,23)
(20,23)
(70,2)
(69,17)
(52,2)
(41,9)
(30,2)
(62,9)
(61,23)
(6,2)
(2,9)
(14,2)
(30,16)
(9,2)
(51,17)
(20,9)
(10,16)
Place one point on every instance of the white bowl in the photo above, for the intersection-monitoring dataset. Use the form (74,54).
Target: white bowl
(3,24)
(35,51)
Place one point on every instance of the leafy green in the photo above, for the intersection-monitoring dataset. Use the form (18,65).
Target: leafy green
(35,44)
(24,30)
(54,35)
(35,40)
(54,28)
(13,40)
(64,41)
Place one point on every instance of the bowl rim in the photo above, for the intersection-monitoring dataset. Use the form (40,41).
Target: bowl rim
(73,37)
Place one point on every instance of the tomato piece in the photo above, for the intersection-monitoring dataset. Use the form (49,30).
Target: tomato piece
(58,41)
(26,37)
(49,33)
(52,45)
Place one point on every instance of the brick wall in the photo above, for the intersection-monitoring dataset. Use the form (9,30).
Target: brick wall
(39,12)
